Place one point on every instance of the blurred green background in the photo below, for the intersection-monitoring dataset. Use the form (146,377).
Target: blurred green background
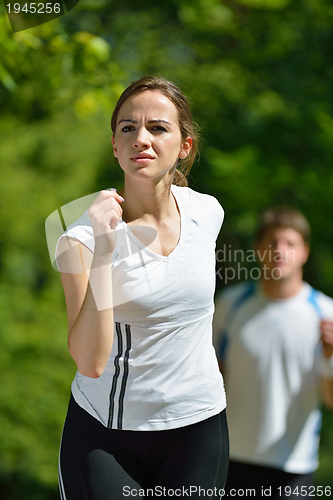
(259,74)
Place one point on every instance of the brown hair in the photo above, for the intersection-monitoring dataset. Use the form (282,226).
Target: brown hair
(284,217)
(186,124)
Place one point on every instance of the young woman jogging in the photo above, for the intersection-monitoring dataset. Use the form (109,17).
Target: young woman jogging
(146,416)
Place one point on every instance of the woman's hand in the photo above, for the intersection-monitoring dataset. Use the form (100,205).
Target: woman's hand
(105,213)
(326,329)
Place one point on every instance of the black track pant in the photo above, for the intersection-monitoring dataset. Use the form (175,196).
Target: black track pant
(256,481)
(97,463)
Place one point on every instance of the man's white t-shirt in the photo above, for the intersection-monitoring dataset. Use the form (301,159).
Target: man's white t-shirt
(270,350)
(162,372)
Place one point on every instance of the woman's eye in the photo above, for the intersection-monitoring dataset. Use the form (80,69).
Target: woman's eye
(159,128)
(127,128)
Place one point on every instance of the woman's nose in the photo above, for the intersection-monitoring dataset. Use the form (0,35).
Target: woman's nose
(142,138)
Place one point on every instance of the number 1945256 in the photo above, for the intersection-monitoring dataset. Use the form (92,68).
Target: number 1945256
(33,7)
(308,491)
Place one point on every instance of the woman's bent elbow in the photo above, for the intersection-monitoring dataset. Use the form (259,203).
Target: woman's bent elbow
(91,368)
(90,371)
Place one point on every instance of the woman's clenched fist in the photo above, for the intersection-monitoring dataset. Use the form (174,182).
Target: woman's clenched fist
(105,213)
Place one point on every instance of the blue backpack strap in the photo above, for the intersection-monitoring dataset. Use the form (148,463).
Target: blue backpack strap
(243,297)
(313,299)
(223,344)
(224,339)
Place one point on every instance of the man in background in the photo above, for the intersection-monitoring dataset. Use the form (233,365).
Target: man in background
(274,341)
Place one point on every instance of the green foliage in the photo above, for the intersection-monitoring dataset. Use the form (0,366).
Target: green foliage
(259,75)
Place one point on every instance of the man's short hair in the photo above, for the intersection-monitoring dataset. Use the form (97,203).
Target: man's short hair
(284,218)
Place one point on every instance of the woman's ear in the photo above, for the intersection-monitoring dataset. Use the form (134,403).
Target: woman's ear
(114,147)
(186,148)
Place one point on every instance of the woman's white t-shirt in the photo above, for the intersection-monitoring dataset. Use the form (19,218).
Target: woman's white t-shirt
(162,372)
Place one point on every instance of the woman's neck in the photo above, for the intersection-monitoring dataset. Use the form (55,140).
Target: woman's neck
(145,201)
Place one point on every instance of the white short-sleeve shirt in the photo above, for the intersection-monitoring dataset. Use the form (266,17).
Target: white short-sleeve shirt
(269,349)
(162,372)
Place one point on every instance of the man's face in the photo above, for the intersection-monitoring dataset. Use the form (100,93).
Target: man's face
(283,249)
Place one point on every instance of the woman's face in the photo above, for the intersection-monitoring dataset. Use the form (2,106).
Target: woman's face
(147,141)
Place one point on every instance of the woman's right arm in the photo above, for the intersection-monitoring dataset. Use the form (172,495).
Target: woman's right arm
(87,283)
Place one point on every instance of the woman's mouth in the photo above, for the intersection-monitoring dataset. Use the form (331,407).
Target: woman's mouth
(142,158)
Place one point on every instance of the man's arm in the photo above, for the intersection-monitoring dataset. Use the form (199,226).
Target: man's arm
(326,329)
